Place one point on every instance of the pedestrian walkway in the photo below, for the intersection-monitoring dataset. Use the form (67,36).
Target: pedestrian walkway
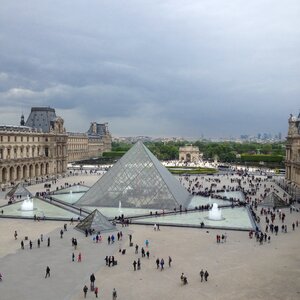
(24,271)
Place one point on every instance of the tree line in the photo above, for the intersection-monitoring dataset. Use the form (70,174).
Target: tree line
(229,152)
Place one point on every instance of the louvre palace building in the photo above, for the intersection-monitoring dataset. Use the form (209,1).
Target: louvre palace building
(292,162)
(41,146)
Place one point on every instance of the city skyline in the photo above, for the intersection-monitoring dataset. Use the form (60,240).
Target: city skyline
(172,68)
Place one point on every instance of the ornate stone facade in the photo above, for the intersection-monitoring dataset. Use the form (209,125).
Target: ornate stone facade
(292,163)
(41,147)
(189,154)
(89,145)
(26,153)
(78,146)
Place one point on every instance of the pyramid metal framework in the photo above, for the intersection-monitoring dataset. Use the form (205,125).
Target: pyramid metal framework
(273,200)
(137,180)
(95,221)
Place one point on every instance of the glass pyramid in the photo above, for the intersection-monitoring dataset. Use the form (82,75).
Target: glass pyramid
(137,180)
(18,190)
(273,200)
(96,221)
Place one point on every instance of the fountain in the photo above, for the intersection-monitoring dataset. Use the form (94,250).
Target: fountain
(27,204)
(120,208)
(215,214)
(226,194)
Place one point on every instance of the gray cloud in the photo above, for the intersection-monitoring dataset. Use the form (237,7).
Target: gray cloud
(153,67)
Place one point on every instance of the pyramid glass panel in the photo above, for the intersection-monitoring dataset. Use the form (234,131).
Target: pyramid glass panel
(138,180)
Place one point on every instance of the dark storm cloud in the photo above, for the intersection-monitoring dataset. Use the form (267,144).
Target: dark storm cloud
(153,67)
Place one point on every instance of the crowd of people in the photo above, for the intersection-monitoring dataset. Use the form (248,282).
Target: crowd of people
(272,222)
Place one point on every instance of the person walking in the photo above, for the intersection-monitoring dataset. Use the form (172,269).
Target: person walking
(47,272)
(170,261)
(61,233)
(130,238)
(85,289)
(92,279)
(201,274)
(79,257)
(73,256)
(134,265)
(38,243)
(114,294)
(48,245)
(206,275)
(157,263)
(16,234)
(138,264)
(96,292)
(22,245)
(162,262)
(183,279)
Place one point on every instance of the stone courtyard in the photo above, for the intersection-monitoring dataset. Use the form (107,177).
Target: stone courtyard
(241,268)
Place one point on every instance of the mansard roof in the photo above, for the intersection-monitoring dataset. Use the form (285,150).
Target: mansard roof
(41,117)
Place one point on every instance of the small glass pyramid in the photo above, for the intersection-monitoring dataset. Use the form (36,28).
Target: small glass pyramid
(273,200)
(137,180)
(95,221)
(18,190)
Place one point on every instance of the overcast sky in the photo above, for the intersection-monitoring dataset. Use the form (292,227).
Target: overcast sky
(153,67)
